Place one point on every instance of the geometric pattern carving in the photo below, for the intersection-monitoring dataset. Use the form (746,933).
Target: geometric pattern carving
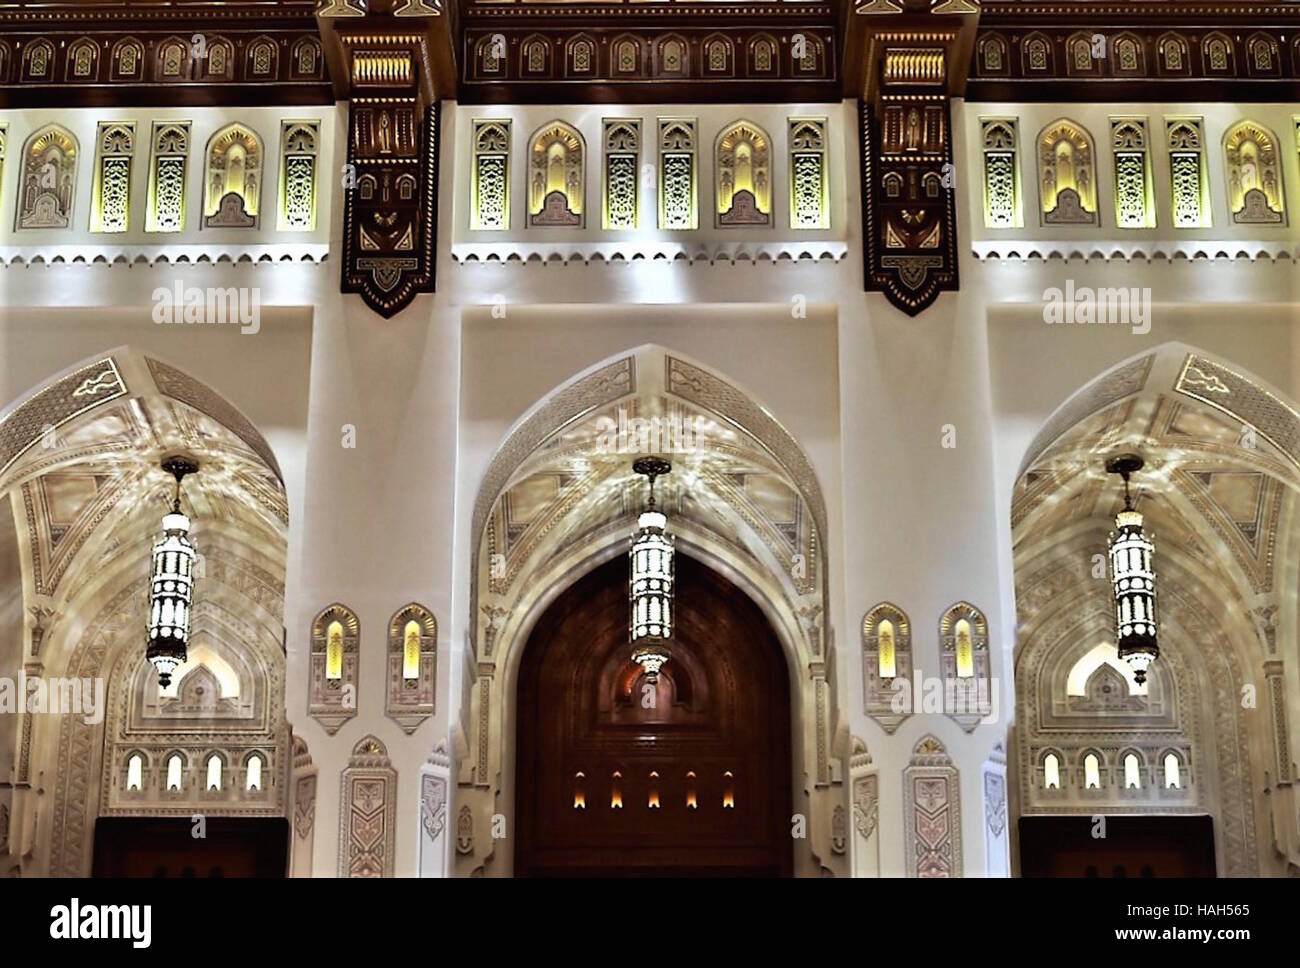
(1242,399)
(412,647)
(179,385)
(909,213)
(931,812)
(390,215)
(110,197)
(168,167)
(433,805)
(886,626)
(368,812)
(1103,392)
(335,667)
(55,405)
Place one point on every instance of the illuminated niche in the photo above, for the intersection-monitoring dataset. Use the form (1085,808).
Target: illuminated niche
(1067,175)
(1134,200)
(110,196)
(169,160)
(1254,175)
(621,201)
(555,176)
(490,177)
(810,203)
(1189,185)
(49,179)
(1001,140)
(412,666)
(299,150)
(677,174)
(743,176)
(232,179)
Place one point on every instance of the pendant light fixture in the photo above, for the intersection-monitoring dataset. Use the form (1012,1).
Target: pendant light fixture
(172,586)
(1133,578)
(650,588)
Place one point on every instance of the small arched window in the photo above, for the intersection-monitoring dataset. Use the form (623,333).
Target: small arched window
(1051,772)
(616,791)
(728,791)
(213,779)
(1132,772)
(135,772)
(1091,772)
(887,657)
(1173,781)
(253,778)
(174,765)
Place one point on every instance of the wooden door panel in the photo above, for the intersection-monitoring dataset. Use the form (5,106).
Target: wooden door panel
(716,737)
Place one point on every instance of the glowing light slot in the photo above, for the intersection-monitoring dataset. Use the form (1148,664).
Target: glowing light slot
(616,792)
(965,651)
(334,651)
(174,772)
(653,800)
(692,803)
(579,791)
(1091,772)
(411,651)
(728,791)
(888,661)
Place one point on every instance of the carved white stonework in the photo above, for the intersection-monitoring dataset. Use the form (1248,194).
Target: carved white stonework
(435,786)
(864,791)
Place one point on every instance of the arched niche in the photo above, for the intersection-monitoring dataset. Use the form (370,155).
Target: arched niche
(107,419)
(551,507)
(1185,411)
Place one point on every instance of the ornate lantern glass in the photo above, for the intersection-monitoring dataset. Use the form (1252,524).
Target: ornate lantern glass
(650,585)
(1133,580)
(171,588)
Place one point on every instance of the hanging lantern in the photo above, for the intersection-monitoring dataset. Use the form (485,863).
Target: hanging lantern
(1133,579)
(172,585)
(650,588)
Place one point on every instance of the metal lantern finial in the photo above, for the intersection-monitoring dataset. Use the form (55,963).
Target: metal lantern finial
(171,587)
(650,587)
(1133,578)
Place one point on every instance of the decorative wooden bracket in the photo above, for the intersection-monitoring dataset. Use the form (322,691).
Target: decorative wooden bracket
(905,59)
(394,60)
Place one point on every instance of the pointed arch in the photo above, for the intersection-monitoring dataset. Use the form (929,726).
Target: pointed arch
(1253,169)
(232,178)
(48,179)
(515,572)
(557,176)
(1067,174)
(742,166)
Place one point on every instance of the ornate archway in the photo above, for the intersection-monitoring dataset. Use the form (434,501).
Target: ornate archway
(1207,732)
(79,465)
(559,499)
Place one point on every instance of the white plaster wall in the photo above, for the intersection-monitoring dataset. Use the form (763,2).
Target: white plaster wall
(865,389)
